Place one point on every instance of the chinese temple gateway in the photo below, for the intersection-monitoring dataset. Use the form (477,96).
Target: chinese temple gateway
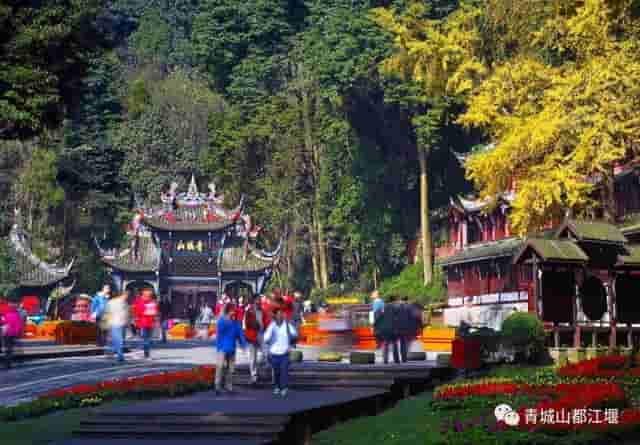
(582,277)
(191,249)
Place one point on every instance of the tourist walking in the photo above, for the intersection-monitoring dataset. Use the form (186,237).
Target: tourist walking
(192,314)
(12,327)
(377,305)
(204,321)
(416,318)
(279,336)
(228,334)
(117,313)
(165,313)
(146,312)
(385,332)
(404,326)
(254,332)
(98,307)
(298,310)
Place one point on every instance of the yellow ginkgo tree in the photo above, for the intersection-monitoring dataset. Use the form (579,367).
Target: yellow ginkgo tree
(561,112)
(439,56)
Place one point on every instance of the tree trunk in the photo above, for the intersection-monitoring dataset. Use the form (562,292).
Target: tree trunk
(427,257)
(323,257)
(610,210)
(313,244)
(318,240)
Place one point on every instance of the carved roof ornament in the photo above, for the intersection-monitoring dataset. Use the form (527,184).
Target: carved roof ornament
(213,196)
(192,193)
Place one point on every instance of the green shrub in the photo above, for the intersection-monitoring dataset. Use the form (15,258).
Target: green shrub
(410,283)
(525,333)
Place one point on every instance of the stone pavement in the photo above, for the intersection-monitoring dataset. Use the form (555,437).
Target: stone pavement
(30,379)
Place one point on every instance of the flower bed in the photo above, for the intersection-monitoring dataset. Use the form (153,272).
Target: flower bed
(592,397)
(165,384)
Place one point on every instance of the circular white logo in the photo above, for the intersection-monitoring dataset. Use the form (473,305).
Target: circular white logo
(512,418)
(501,411)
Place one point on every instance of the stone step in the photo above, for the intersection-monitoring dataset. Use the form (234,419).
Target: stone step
(155,419)
(355,374)
(140,429)
(320,383)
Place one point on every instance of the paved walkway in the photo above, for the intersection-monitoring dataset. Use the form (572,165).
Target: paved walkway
(27,380)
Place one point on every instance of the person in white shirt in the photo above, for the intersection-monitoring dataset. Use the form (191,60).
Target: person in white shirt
(278,337)
(117,312)
(204,321)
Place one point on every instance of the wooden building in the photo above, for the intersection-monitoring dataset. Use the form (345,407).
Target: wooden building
(579,276)
(191,249)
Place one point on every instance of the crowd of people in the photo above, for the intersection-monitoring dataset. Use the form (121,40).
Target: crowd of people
(396,324)
(266,325)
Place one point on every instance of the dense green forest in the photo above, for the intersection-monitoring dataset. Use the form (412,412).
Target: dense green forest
(104,102)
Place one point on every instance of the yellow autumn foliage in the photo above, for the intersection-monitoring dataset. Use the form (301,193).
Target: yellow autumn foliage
(558,128)
(555,84)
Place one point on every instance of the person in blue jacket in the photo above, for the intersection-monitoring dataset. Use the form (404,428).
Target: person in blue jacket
(98,308)
(228,334)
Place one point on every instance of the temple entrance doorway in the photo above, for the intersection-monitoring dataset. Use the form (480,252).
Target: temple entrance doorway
(239,290)
(184,297)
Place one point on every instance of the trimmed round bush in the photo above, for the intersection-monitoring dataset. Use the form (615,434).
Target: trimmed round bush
(525,333)
(416,356)
(295,356)
(443,359)
(362,358)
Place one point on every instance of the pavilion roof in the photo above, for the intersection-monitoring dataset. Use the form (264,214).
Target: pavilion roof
(188,220)
(484,251)
(236,259)
(148,259)
(631,259)
(32,271)
(592,231)
(472,204)
(552,250)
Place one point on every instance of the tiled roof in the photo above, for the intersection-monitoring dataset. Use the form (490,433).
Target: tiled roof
(234,259)
(553,250)
(187,220)
(632,259)
(483,251)
(32,271)
(148,259)
(592,230)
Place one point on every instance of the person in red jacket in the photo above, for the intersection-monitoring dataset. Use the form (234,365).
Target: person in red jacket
(287,306)
(12,327)
(146,311)
(253,331)
(265,305)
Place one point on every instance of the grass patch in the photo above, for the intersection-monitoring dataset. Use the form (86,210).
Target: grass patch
(410,422)
(462,421)
(47,429)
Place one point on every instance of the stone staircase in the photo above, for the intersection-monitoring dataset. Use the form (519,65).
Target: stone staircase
(258,429)
(322,394)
